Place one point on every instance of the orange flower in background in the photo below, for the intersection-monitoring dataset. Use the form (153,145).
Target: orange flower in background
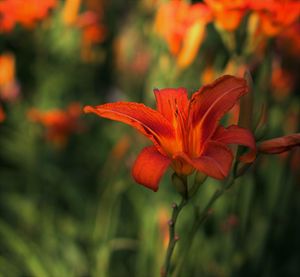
(7,68)
(276,15)
(2,114)
(93,32)
(282,82)
(208,74)
(26,13)
(279,145)
(228,13)
(183,27)
(289,41)
(186,133)
(9,88)
(58,123)
(163,219)
(70,11)
(89,21)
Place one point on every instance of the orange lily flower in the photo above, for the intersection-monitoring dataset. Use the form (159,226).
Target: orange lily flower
(186,133)
(276,15)
(183,27)
(23,12)
(59,123)
(228,13)
(7,68)
(279,145)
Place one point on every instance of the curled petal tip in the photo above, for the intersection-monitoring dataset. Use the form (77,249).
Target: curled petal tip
(88,109)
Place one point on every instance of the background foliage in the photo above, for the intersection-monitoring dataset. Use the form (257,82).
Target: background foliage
(71,208)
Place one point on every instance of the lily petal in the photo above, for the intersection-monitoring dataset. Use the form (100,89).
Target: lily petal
(215,162)
(237,135)
(171,101)
(173,105)
(149,122)
(209,105)
(279,145)
(149,167)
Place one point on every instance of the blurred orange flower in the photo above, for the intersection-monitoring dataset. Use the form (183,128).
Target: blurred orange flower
(26,13)
(93,31)
(289,41)
(9,88)
(186,133)
(183,27)
(282,82)
(228,13)
(276,15)
(7,68)
(58,123)
(279,145)
(163,219)
(208,74)
(2,114)
(70,11)
(89,21)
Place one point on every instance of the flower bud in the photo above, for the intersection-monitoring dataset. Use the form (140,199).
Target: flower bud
(180,184)
(200,178)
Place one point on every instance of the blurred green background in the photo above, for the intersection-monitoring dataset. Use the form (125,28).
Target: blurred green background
(68,203)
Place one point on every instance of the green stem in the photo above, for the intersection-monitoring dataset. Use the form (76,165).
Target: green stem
(200,218)
(173,238)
